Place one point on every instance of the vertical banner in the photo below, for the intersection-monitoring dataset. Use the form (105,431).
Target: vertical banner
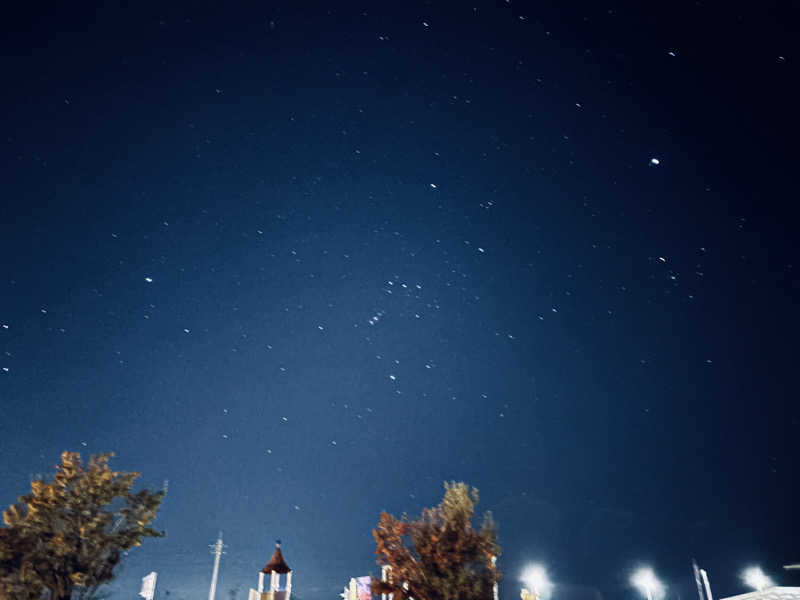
(362,588)
(148,590)
(698,581)
(706,585)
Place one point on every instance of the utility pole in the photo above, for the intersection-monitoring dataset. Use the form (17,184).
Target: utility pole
(217,552)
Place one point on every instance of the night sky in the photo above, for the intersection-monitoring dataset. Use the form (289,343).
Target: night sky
(307,261)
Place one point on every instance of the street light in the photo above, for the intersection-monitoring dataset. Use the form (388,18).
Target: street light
(647,583)
(535,577)
(756,578)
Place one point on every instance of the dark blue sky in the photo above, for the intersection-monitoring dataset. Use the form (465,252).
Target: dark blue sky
(307,262)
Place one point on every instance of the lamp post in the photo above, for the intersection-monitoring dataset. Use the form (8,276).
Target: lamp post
(647,583)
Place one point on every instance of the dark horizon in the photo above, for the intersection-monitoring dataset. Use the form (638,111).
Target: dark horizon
(309,262)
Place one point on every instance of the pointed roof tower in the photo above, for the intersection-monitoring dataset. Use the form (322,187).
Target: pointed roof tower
(276,564)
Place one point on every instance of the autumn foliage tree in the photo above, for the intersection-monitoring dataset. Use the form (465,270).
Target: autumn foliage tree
(70,533)
(439,556)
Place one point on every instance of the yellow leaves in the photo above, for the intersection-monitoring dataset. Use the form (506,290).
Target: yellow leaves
(70,458)
(63,527)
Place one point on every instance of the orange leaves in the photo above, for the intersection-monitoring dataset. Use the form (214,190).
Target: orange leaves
(439,556)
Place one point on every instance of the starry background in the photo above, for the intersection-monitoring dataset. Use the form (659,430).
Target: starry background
(307,261)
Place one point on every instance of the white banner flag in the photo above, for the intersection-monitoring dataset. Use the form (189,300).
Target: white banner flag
(149,586)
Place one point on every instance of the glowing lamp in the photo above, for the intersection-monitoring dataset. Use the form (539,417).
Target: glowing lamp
(535,577)
(756,578)
(647,583)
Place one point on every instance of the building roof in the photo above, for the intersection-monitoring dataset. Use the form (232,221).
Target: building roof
(276,563)
(770,593)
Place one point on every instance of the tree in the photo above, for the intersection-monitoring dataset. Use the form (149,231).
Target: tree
(439,556)
(70,533)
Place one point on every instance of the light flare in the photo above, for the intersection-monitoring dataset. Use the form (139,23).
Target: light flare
(755,578)
(645,580)
(535,577)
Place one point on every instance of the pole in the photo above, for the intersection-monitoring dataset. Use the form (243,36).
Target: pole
(217,551)
(495,592)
